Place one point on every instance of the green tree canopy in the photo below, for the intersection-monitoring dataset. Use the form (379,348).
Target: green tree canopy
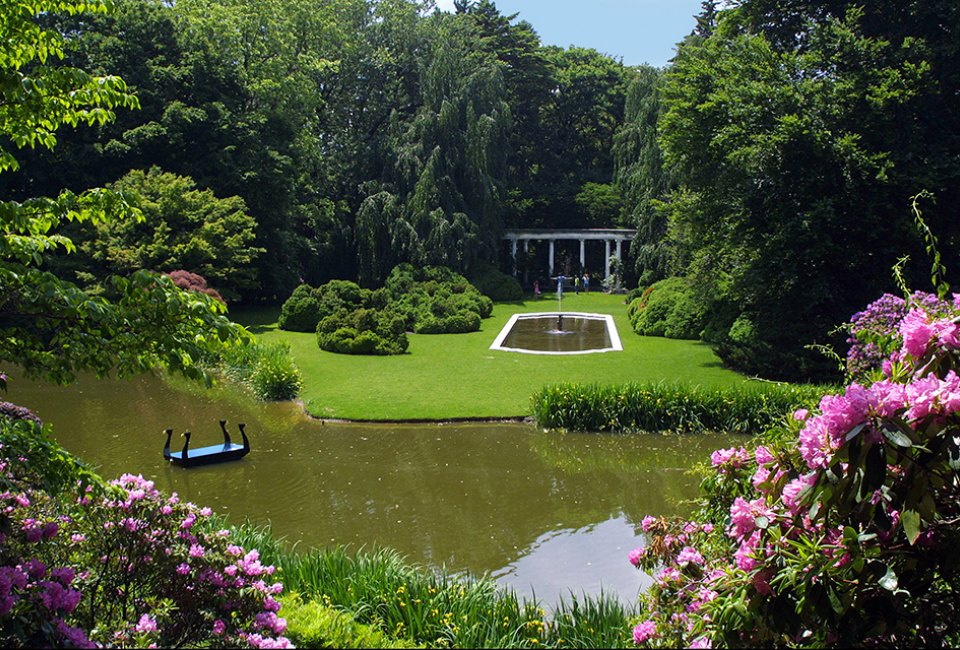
(797,133)
(184,228)
(640,176)
(48,325)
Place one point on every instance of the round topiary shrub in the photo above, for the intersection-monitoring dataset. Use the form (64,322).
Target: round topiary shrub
(667,308)
(301,311)
(496,285)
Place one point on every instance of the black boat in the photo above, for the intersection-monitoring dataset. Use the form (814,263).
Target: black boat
(207,455)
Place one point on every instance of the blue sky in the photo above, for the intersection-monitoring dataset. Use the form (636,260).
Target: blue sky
(636,31)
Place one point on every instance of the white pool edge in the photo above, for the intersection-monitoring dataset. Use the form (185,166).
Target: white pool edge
(615,344)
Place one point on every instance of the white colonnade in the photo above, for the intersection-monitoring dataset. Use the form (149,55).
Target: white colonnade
(609,237)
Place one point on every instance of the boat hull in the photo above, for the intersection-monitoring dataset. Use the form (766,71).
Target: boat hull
(208,455)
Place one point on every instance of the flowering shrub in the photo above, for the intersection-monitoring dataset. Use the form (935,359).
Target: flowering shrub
(121,564)
(37,598)
(841,527)
(874,332)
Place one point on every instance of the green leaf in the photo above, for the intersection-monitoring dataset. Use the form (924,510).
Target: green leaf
(855,431)
(911,524)
(897,437)
(889,580)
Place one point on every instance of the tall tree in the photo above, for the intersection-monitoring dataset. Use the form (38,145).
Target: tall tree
(577,124)
(641,178)
(184,228)
(48,325)
(441,203)
(785,128)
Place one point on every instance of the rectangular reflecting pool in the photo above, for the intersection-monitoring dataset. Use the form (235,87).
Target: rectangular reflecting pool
(559,333)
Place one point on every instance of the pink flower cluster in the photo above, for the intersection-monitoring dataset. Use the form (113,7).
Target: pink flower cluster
(726,460)
(136,546)
(807,494)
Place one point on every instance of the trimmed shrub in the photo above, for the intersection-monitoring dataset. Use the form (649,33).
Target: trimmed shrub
(496,285)
(457,323)
(340,336)
(431,300)
(340,294)
(301,311)
(307,305)
(427,299)
(667,308)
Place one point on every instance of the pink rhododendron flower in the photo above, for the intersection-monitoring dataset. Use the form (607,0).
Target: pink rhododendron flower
(727,459)
(816,444)
(146,624)
(793,489)
(840,413)
(761,476)
(916,332)
(745,557)
(888,398)
(743,516)
(689,555)
(763,455)
(636,555)
(644,631)
(922,395)
(701,643)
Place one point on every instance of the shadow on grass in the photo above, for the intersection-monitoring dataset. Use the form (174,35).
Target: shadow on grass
(256,319)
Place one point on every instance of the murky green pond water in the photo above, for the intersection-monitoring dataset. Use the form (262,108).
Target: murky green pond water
(544,513)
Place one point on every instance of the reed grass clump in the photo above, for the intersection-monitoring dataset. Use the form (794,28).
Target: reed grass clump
(660,407)
(411,604)
(268,370)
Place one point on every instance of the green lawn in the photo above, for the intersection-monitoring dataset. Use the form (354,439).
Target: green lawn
(457,376)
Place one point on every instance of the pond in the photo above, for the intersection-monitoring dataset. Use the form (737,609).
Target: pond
(546,514)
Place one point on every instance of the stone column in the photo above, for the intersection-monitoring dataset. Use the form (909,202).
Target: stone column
(513,254)
(606,259)
(550,271)
(583,257)
(526,258)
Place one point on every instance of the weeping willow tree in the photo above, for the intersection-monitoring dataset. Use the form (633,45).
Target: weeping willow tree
(641,178)
(441,201)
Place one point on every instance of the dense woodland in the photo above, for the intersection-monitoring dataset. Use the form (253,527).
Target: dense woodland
(771,164)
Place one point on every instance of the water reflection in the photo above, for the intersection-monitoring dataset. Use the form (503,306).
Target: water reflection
(544,513)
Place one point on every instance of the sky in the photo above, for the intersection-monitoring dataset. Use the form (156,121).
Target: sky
(634,31)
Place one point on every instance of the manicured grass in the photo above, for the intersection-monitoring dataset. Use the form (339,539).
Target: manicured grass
(449,376)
